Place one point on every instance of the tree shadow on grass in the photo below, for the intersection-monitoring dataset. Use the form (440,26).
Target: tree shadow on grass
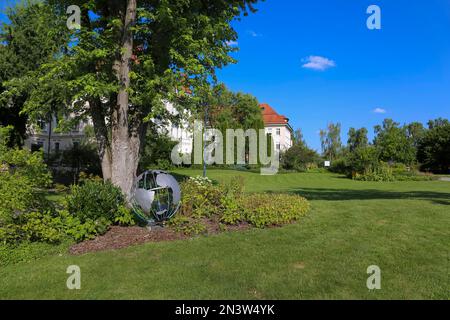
(370,194)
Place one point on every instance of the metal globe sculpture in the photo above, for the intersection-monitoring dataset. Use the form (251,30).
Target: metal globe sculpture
(156,196)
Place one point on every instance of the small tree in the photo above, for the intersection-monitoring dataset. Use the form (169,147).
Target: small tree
(357,139)
(331,141)
(434,148)
(393,143)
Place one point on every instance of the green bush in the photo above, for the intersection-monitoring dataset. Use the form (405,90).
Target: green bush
(226,204)
(380,173)
(383,172)
(94,200)
(22,176)
(93,207)
(299,158)
(264,210)
(188,225)
(51,227)
(340,165)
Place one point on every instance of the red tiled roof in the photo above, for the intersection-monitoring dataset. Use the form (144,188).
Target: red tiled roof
(271,117)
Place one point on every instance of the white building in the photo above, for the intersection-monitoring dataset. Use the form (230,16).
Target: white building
(180,133)
(278,126)
(44,136)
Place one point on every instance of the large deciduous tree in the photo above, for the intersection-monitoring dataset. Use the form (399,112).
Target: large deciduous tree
(357,138)
(33,34)
(126,59)
(331,141)
(394,143)
(434,147)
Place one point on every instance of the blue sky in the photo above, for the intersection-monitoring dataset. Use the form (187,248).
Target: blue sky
(402,69)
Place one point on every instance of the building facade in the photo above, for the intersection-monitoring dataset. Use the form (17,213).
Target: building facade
(44,137)
(278,127)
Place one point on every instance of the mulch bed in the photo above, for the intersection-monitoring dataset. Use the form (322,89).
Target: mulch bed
(123,237)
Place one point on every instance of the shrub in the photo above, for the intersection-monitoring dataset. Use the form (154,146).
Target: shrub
(187,225)
(263,210)
(51,227)
(22,175)
(124,216)
(340,165)
(299,158)
(201,198)
(381,173)
(28,165)
(93,207)
(94,200)
(226,204)
(384,172)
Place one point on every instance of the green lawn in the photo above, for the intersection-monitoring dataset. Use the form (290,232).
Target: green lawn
(402,227)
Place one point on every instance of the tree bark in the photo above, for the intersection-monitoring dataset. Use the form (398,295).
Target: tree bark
(125,141)
(102,137)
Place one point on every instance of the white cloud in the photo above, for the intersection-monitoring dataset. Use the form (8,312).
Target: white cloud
(380,110)
(254,34)
(318,63)
(232,43)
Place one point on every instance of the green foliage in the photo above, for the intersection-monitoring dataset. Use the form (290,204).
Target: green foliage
(22,174)
(331,141)
(11,253)
(264,210)
(50,227)
(94,200)
(379,173)
(394,144)
(226,204)
(6,134)
(201,198)
(357,139)
(124,217)
(43,227)
(164,51)
(362,159)
(26,216)
(434,148)
(27,164)
(33,35)
(299,158)
(187,225)
(157,151)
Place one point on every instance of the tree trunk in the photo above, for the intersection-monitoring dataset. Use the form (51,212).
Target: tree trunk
(125,141)
(102,137)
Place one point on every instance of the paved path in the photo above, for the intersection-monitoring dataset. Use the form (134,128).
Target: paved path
(445,179)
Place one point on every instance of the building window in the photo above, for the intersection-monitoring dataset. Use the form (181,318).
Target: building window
(76,128)
(278,147)
(35,147)
(56,147)
(76,144)
(42,125)
(278,131)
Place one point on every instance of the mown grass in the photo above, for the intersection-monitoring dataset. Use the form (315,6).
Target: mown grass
(403,227)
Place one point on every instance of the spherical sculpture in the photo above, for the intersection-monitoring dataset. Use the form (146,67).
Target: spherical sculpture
(156,196)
